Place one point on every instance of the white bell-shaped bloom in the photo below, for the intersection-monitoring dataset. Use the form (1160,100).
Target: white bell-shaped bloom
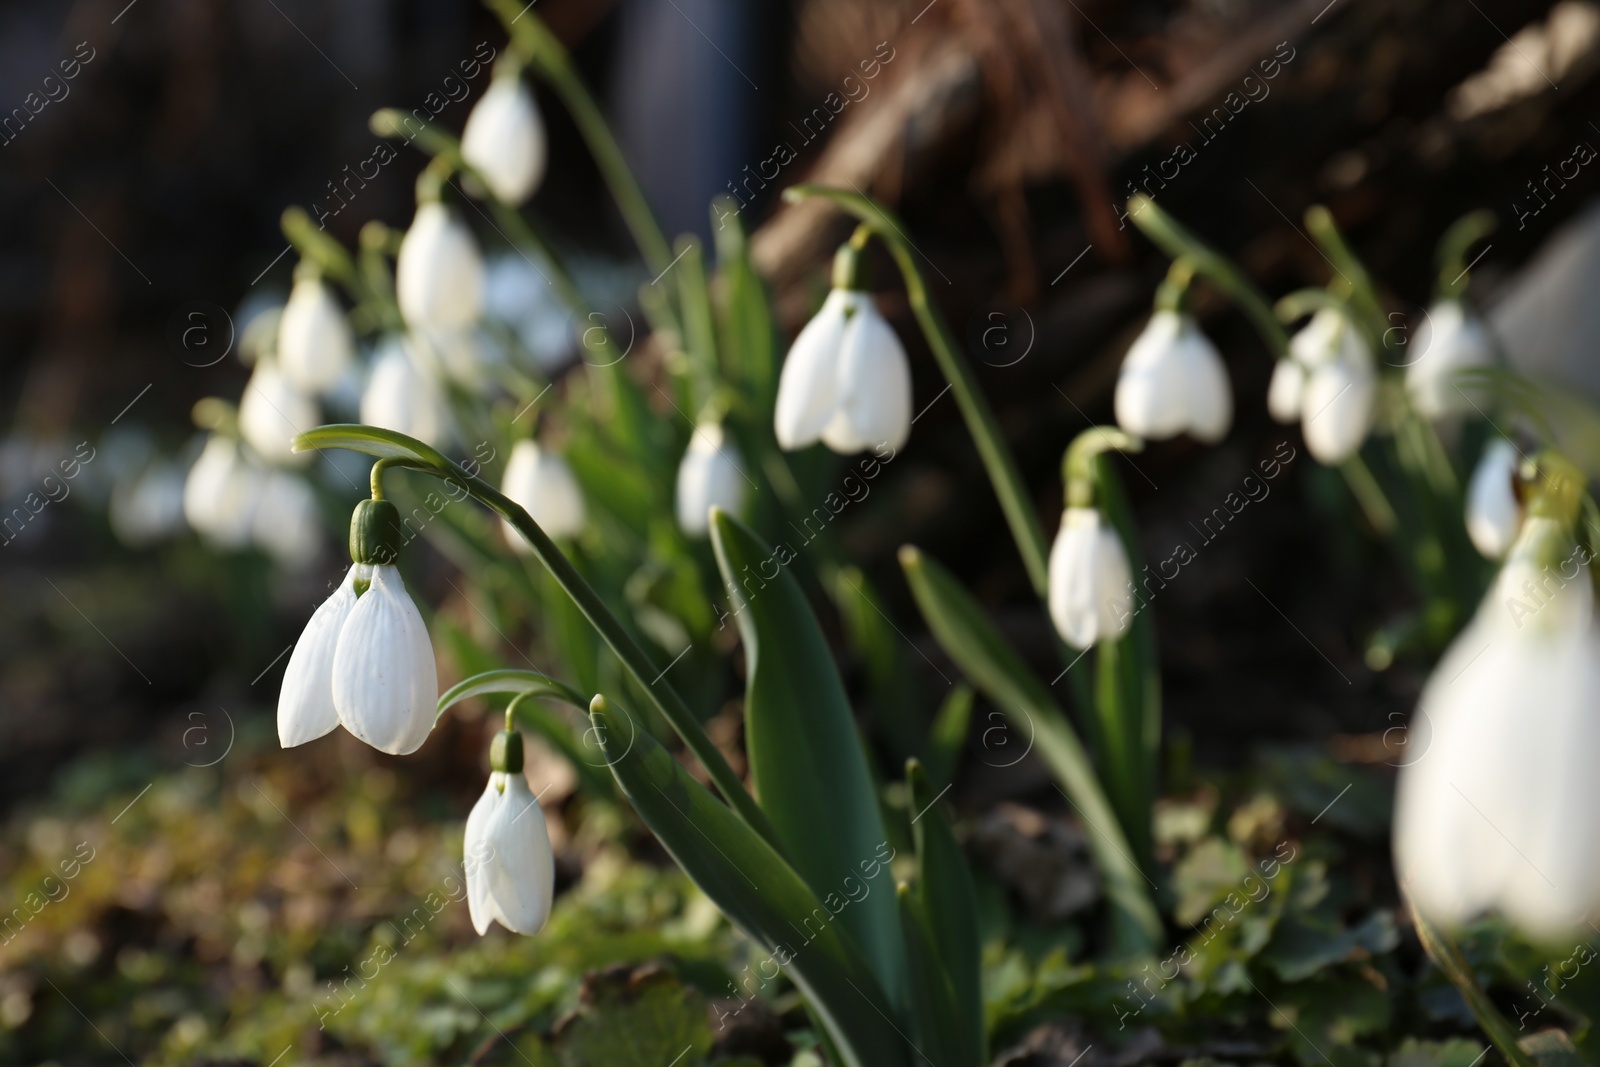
(1450,340)
(542,482)
(315,346)
(363,661)
(1329,383)
(520,295)
(439,273)
(456,355)
(504,139)
(1173,381)
(272,412)
(1090,581)
(846,381)
(221,492)
(287,524)
(1493,511)
(149,507)
(509,865)
(711,475)
(402,396)
(1498,809)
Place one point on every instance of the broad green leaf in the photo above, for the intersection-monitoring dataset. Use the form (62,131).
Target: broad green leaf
(757,890)
(991,665)
(946,903)
(937,1020)
(749,341)
(883,650)
(807,766)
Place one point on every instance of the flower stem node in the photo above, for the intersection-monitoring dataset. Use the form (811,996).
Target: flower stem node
(375,532)
(505,752)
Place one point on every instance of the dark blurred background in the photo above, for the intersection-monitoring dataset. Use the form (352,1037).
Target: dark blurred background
(148,187)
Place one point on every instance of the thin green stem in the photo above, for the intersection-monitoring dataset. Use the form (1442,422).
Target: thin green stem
(1455,967)
(1178,242)
(1370,495)
(545,54)
(1352,272)
(992,448)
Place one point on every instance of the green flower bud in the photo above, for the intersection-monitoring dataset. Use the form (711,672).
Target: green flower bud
(375,532)
(505,752)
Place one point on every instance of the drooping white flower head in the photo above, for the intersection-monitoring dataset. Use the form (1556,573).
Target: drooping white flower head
(364,660)
(1173,381)
(1329,383)
(149,507)
(1493,511)
(402,396)
(504,139)
(315,346)
(287,524)
(1451,340)
(439,273)
(1498,809)
(509,864)
(542,482)
(272,412)
(1090,580)
(221,492)
(711,475)
(846,381)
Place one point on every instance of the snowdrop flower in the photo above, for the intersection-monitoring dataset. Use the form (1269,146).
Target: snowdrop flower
(1450,340)
(1328,382)
(220,493)
(517,294)
(1173,380)
(543,484)
(1089,579)
(401,396)
(364,660)
(439,273)
(504,139)
(509,865)
(710,476)
(1493,511)
(456,355)
(1498,811)
(148,508)
(846,381)
(315,346)
(287,524)
(272,412)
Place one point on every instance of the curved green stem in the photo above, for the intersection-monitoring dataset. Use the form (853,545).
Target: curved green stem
(1352,272)
(1451,256)
(1079,469)
(1178,242)
(1455,967)
(997,459)
(545,54)
(407,452)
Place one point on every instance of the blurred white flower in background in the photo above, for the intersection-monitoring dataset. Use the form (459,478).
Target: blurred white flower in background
(543,484)
(516,294)
(1172,381)
(439,273)
(1493,511)
(1499,810)
(710,475)
(846,380)
(457,355)
(1450,340)
(315,345)
(288,524)
(402,396)
(1329,385)
(221,492)
(504,139)
(272,412)
(1090,582)
(148,507)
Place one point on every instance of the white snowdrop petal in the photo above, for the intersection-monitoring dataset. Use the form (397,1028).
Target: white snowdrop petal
(1493,513)
(385,684)
(504,140)
(808,384)
(1150,395)
(1089,579)
(1112,580)
(542,482)
(1339,403)
(221,492)
(305,699)
(439,272)
(400,396)
(1450,340)
(873,389)
(315,345)
(710,475)
(522,873)
(272,412)
(287,524)
(1286,390)
(478,853)
(1210,395)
